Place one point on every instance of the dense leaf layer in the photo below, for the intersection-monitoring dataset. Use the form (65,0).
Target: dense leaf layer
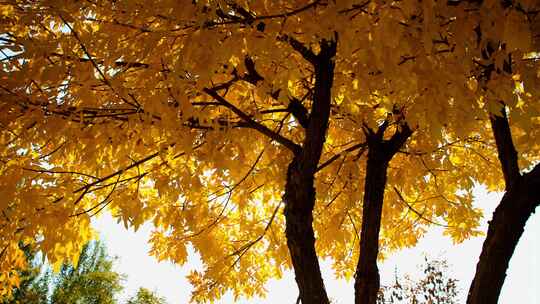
(185,113)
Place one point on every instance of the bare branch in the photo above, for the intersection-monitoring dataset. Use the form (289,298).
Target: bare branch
(105,201)
(293,147)
(505,147)
(242,250)
(133,165)
(121,171)
(249,19)
(420,215)
(333,158)
(298,46)
(59,172)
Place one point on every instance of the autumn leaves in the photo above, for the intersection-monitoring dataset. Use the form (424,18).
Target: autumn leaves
(365,122)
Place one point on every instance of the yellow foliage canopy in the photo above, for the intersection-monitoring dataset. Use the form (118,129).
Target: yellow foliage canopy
(106,105)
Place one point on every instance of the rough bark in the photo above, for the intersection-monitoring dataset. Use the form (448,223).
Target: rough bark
(367,281)
(299,202)
(504,232)
(367,273)
(299,194)
(505,148)
(517,205)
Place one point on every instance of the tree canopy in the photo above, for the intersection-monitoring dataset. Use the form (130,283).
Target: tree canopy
(92,280)
(145,296)
(265,134)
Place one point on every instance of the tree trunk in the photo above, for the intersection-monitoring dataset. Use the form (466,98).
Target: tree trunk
(299,202)
(299,196)
(367,281)
(504,232)
(521,198)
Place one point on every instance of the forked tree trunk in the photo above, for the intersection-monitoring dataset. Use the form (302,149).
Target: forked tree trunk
(521,198)
(299,196)
(367,281)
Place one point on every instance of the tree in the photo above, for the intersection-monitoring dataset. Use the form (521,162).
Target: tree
(435,287)
(185,114)
(91,281)
(519,202)
(503,73)
(145,296)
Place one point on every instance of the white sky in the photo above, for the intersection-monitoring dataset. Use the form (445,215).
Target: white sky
(168,280)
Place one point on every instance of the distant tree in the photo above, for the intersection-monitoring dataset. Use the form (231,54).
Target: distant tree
(436,286)
(145,296)
(91,281)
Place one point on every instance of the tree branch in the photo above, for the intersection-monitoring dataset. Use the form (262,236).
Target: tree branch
(297,109)
(320,109)
(248,18)
(362,145)
(399,138)
(298,46)
(289,144)
(505,147)
(420,215)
